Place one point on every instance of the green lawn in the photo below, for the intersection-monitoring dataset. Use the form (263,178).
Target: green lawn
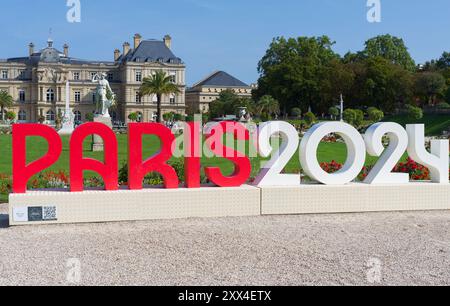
(434,124)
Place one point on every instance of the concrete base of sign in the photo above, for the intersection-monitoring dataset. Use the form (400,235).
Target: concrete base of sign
(52,207)
(315,198)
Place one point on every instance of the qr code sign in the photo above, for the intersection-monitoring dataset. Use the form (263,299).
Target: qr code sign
(49,213)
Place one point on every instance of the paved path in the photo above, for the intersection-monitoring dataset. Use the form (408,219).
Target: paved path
(377,248)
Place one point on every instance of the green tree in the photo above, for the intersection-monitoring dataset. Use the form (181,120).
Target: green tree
(291,71)
(310,118)
(380,84)
(10,115)
(444,61)
(133,117)
(359,118)
(350,116)
(333,112)
(375,115)
(6,101)
(430,85)
(296,112)
(414,112)
(158,84)
(89,117)
(392,49)
(267,106)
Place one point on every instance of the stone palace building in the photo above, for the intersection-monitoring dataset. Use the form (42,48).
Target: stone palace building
(37,81)
(203,93)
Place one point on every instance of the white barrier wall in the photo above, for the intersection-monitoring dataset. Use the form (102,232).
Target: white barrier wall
(106,206)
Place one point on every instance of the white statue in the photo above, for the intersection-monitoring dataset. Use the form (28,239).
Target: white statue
(104,96)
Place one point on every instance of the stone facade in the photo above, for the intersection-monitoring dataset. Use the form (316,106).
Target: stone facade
(203,93)
(37,82)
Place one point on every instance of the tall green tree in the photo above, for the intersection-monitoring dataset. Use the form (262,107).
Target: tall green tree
(267,106)
(6,101)
(430,85)
(444,61)
(229,103)
(291,71)
(158,84)
(391,48)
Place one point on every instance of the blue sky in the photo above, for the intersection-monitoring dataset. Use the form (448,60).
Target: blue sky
(230,35)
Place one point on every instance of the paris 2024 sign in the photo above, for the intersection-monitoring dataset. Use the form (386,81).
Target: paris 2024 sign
(410,140)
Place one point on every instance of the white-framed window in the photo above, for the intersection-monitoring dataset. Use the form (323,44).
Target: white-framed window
(50,116)
(173,99)
(4,74)
(110,76)
(138,76)
(173,76)
(22,96)
(22,116)
(77,96)
(22,74)
(76,76)
(50,95)
(154,99)
(77,116)
(138,98)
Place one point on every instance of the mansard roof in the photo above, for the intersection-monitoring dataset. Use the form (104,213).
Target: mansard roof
(151,51)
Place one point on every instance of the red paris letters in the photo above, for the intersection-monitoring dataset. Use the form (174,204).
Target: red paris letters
(137,167)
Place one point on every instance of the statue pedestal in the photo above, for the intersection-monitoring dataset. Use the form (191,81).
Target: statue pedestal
(67,127)
(97,141)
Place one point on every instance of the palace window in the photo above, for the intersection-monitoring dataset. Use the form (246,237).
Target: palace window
(22,95)
(77,116)
(50,116)
(93,74)
(22,74)
(50,95)
(4,74)
(77,96)
(94,100)
(138,98)
(76,76)
(110,77)
(172,99)
(138,76)
(22,115)
(173,77)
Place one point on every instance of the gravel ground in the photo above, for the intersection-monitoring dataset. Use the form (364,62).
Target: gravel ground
(348,249)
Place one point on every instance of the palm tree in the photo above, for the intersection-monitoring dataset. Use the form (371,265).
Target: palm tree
(158,84)
(5,101)
(268,106)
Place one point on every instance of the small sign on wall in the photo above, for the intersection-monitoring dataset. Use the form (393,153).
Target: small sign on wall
(35,214)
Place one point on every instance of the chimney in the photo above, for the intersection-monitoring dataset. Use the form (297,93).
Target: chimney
(116,54)
(66,50)
(168,41)
(137,40)
(31,49)
(126,48)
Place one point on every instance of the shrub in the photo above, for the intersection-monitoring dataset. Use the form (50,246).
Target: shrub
(310,118)
(333,112)
(89,117)
(375,115)
(416,171)
(359,118)
(133,117)
(414,112)
(296,112)
(443,105)
(349,116)
(10,116)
